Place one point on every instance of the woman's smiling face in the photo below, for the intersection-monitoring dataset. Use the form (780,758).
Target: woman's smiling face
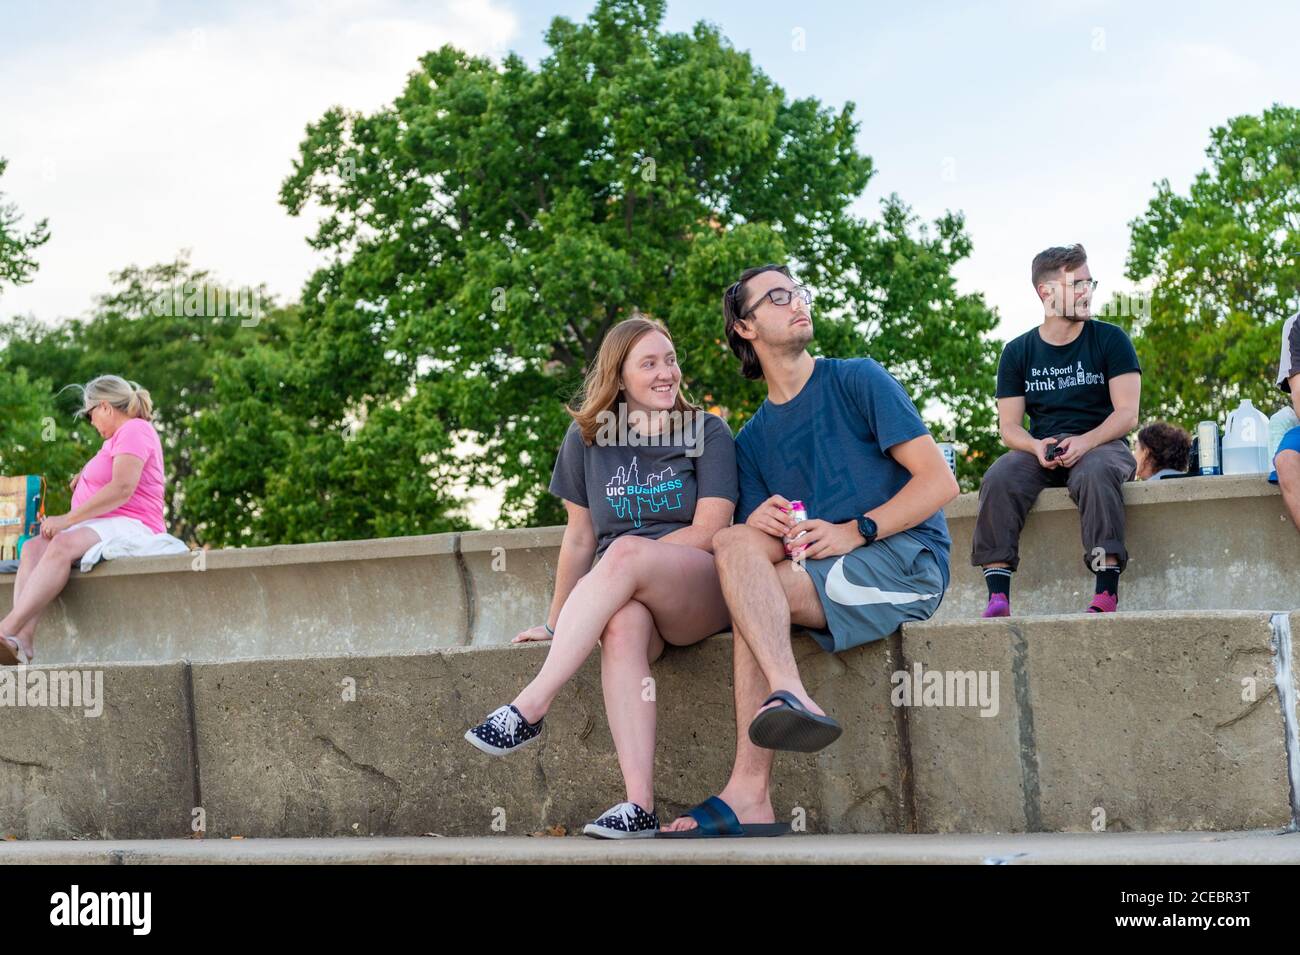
(650,376)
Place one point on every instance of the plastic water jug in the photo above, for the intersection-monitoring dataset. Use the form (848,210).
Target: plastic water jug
(1245,440)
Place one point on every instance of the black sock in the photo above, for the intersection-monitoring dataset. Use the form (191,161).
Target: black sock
(1108,581)
(999,581)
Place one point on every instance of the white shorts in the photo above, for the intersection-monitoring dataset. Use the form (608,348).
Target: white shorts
(113,528)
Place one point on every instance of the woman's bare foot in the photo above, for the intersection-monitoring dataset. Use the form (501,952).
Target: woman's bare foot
(749,808)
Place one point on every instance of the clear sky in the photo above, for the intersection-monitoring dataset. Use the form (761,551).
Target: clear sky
(140,128)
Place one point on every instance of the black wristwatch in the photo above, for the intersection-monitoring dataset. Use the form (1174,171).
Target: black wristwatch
(867,528)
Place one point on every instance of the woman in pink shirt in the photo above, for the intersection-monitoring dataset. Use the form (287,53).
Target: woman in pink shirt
(118,494)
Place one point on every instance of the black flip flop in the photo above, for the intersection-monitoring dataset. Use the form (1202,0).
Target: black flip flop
(716,820)
(792,727)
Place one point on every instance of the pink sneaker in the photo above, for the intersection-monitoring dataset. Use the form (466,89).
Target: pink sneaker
(1104,602)
(999,606)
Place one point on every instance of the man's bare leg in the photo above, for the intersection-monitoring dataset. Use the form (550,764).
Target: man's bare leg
(747,791)
(764,593)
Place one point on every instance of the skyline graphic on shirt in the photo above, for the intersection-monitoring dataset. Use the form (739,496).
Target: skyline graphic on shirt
(630,496)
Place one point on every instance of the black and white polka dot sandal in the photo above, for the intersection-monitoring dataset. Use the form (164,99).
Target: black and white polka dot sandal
(504,731)
(627,820)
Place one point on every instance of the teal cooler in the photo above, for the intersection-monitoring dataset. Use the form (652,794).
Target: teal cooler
(22,507)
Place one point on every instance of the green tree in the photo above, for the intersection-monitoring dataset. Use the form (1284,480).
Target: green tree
(1223,266)
(486,230)
(280,466)
(32,440)
(17,247)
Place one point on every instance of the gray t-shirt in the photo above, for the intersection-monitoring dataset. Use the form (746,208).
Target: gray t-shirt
(647,491)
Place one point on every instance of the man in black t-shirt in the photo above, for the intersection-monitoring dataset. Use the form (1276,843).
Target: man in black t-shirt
(1079,381)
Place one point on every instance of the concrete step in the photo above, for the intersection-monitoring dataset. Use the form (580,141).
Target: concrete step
(1196,544)
(1172,848)
(1133,722)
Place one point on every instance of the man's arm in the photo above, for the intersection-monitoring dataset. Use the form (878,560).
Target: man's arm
(1011,424)
(930,488)
(752,489)
(1011,417)
(1125,395)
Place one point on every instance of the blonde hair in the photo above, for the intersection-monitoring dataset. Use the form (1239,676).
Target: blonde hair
(125,396)
(600,390)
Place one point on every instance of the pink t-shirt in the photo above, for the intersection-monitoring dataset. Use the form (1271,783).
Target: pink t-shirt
(137,438)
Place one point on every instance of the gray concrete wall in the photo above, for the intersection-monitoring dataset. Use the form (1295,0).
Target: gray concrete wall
(1213,543)
(1133,722)
(127,772)
(510,578)
(1139,714)
(1199,543)
(405,593)
(291,757)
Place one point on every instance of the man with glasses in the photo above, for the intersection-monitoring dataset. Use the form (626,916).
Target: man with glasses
(1079,381)
(842,437)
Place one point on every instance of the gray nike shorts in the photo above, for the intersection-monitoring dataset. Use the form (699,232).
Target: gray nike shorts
(867,593)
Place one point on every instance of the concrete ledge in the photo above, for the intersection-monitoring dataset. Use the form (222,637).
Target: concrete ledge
(126,773)
(1198,543)
(1134,721)
(1216,543)
(1139,715)
(1143,493)
(282,753)
(1175,848)
(510,576)
(375,596)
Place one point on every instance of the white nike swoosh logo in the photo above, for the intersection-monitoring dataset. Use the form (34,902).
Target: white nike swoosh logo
(840,589)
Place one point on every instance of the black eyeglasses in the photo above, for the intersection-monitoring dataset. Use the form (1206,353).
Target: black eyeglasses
(781,296)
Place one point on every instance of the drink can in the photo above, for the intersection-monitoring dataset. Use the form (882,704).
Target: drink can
(798,513)
(1207,440)
(950,455)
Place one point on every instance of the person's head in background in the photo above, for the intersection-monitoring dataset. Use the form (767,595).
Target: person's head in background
(1063,282)
(1162,447)
(109,401)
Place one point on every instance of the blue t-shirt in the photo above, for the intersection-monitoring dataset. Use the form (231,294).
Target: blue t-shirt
(827,447)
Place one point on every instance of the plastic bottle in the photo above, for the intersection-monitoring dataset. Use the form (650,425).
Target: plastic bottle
(1245,440)
(1282,421)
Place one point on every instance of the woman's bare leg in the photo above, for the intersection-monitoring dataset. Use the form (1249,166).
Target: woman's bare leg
(32,552)
(676,583)
(628,645)
(46,581)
